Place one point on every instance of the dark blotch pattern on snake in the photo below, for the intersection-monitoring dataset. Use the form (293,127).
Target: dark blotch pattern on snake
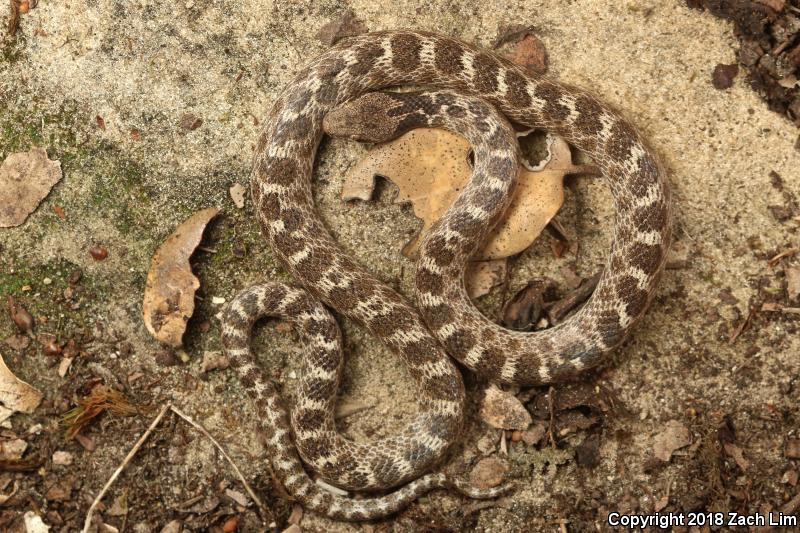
(447,323)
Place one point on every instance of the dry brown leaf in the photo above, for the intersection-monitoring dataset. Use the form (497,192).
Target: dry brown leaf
(25,179)
(169,293)
(15,394)
(736,453)
(674,437)
(430,167)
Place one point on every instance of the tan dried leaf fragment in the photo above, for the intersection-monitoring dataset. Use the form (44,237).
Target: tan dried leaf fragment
(674,437)
(431,167)
(25,179)
(169,292)
(15,394)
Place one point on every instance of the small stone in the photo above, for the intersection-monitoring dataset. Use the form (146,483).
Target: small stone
(63,366)
(33,523)
(173,527)
(793,448)
(531,54)
(214,361)
(62,458)
(231,524)
(98,252)
(488,473)
(587,454)
(166,358)
(793,282)
(238,192)
(47,281)
(723,76)
(790,477)
(487,444)
(12,450)
(237,497)
(189,122)
(503,410)
(217,300)
(52,348)
(535,434)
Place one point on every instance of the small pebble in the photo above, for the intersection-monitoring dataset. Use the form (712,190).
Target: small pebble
(98,252)
(488,473)
(62,458)
(793,448)
(217,300)
(723,76)
(502,410)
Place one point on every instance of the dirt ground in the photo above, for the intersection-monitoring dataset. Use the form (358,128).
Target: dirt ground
(105,86)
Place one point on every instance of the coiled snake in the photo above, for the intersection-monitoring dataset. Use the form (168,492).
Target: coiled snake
(480,83)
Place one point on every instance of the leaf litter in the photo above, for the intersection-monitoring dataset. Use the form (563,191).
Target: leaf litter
(169,292)
(431,167)
(26,178)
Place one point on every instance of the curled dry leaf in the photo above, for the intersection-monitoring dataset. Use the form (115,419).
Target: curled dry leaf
(737,454)
(431,167)
(674,437)
(25,179)
(15,394)
(169,293)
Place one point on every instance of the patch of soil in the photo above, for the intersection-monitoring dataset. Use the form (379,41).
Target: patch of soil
(769,33)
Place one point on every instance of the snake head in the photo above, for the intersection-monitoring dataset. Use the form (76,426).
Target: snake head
(365,119)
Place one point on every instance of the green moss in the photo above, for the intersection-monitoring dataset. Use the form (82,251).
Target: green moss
(12,49)
(37,125)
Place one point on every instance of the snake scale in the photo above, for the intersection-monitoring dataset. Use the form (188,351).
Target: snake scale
(483,92)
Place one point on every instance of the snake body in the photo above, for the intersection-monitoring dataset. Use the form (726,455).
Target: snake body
(447,322)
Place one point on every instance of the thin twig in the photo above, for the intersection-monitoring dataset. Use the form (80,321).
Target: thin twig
(88,522)
(263,511)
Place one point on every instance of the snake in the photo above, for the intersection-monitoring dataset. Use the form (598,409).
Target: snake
(477,93)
